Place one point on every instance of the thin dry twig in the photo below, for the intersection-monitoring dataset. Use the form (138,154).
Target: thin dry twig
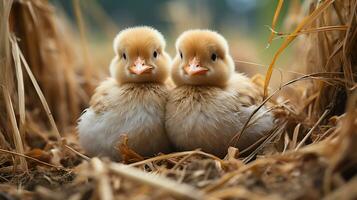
(173,155)
(312,129)
(31,158)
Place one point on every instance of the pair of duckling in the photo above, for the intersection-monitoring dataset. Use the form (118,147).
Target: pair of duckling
(208,105)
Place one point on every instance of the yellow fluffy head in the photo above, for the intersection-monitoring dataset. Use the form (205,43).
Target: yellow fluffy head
(140,56)
(202,59)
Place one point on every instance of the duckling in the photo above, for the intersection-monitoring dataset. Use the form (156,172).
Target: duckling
(132,101)
(211,102)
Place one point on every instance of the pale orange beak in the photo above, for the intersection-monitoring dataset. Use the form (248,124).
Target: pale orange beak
(140,67)
(194,68)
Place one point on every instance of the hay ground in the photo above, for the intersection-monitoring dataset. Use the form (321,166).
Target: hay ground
(310,155)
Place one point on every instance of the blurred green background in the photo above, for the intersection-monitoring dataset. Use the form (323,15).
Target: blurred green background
(243,22)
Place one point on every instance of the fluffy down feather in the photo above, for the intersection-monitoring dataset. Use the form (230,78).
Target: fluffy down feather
(208,108)
(133,101)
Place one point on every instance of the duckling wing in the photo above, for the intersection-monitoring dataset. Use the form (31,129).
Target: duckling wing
(248,92)
(101,100)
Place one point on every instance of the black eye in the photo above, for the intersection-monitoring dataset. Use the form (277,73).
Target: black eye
(155,54)
(124,56)
(213,56)
(181,55)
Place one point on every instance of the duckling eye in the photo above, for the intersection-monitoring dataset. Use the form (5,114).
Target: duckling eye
(155,54)
(214,57)
(181,55)
(124,56)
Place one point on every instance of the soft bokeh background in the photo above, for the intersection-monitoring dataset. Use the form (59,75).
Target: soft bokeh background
(243,22)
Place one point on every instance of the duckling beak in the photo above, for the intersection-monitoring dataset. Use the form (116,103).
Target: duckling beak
(194,68)
(140,67)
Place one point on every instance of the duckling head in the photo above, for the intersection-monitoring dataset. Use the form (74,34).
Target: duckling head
(202,59)
(140,56)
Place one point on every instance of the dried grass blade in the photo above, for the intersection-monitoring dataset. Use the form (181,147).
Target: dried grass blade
(46,107)
(254,144)
(344,148)
(179,190)
(84,157)
(173,155)
(16,133)
(31,158)
(20,84)
(290,38)
(348,44)
(275,19)
(295,136)
(276,131)
(104,187)
(42,97)
(312,129)
(5,57)
(316,30)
